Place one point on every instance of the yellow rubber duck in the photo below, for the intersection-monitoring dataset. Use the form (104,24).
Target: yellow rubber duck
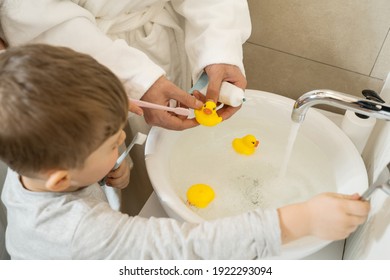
(200,195)
(207,115)
(245,145)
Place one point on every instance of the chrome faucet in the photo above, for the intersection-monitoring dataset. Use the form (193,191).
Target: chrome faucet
(340,100)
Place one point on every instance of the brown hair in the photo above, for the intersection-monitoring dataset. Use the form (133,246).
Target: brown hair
(56,107)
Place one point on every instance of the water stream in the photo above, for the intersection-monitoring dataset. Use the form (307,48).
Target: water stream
(289,148)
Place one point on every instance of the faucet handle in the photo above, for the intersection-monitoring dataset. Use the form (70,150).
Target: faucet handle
(372,95)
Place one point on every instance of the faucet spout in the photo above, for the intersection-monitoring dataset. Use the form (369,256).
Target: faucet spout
(340,100)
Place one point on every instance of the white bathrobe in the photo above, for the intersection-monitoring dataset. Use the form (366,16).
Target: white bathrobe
(139,40)
(114,32)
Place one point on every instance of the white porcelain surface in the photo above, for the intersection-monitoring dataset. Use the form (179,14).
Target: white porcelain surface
(262,114)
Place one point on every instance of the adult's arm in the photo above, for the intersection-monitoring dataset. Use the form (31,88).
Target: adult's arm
(214,31)
(65,23)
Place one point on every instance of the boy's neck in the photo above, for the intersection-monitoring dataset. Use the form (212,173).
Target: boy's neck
(39,185)
(33,184)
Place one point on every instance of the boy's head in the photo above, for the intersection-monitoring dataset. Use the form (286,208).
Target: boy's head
(57,107)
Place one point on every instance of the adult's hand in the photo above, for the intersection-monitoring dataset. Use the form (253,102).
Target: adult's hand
(217,73)
(161,92)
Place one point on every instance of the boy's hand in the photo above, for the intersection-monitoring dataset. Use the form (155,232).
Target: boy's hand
(329,216)
(335,216)
(120,177)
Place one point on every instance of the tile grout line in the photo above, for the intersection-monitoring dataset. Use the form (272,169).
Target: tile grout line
(379,53)
(312,60)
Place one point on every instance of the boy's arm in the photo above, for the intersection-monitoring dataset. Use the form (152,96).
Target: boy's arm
(124,237)
(328,216)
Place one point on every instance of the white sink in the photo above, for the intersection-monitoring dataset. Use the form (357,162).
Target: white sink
(323,159)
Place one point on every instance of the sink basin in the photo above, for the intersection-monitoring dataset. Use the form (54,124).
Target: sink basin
(323,159)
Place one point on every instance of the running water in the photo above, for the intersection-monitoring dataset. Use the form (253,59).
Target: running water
(289,148)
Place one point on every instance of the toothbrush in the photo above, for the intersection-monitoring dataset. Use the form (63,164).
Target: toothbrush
(384,187)
(138,139)
(176,110)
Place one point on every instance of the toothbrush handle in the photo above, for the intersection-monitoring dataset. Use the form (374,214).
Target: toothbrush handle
(366,195)
(123,156)
(118,162)
(384,187)
(177,110)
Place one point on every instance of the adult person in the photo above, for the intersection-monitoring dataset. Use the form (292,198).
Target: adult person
(156,47)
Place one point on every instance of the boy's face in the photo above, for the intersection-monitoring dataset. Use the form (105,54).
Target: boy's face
(99,163)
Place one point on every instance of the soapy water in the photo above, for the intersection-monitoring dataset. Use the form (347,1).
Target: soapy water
(243,183)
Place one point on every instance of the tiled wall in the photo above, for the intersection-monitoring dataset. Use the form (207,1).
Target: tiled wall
(301,45)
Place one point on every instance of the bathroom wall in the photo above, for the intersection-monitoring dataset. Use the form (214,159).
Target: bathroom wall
(300,45)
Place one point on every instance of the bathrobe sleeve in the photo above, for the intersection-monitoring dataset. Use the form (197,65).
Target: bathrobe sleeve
(214,31)
(65,23)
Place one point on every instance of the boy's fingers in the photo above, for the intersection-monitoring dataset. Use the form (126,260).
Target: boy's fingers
(358,208)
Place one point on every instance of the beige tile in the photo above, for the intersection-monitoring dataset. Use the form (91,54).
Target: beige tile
(382,65)
(291,76)
(347,34)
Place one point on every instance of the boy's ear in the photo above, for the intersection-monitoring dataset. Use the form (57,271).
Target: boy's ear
(58,181)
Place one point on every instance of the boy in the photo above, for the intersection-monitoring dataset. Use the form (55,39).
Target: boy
(62,115)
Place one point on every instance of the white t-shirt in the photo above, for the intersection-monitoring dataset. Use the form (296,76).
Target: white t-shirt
(82,225)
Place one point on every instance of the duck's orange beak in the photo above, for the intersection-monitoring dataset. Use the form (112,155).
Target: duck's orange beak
(207,111)
(257,144)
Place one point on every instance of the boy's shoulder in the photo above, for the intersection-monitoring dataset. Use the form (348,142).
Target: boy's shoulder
(14,191)
(47,219)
